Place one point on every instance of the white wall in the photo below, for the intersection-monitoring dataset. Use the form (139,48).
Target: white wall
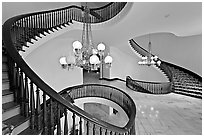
(45,62)
(125,62)
(182,51)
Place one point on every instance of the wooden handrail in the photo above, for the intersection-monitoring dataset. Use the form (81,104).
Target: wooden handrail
(149,87)
(30,25)
(103,88)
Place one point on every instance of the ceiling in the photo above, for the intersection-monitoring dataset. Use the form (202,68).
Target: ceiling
(179,18)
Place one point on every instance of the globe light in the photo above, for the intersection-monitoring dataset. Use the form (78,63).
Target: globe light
(63,61)
(108,59)
(94,59)
(77,45)
(159,62)
(143,58)
(101,47)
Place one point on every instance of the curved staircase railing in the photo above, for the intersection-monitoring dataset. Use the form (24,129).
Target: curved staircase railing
(108,92)
(149,87)
(17,32)
(143,52)
(183,81)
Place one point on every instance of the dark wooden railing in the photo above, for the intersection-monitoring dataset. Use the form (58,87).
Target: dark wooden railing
(149,87)
(163,66)
(108,92)
(176,79)
(17,32)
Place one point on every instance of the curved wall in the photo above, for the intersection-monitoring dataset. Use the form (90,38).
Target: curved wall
(44,60)
(182,51)
(125,62)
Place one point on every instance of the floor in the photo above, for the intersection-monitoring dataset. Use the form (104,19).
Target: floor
(170,114)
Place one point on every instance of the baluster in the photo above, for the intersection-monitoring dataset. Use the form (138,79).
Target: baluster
(38,110)
(87,127)
(65,122)
(26,97)
(115,133)
(45,129)
(32,106)
(17,84)
(94,129)
(100,131)
(14,83)
(80,126)
(73,117)
(111,132)
(21,93)
(58,120)
(106,132)
(51,118)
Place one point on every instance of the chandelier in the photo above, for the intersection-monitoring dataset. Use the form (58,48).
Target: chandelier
(85,54)
(149,59)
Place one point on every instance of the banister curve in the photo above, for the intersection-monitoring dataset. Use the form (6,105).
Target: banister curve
(133,107)
(19,62)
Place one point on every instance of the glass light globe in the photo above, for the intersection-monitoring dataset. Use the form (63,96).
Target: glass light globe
(143,58)
(63,60)
(108,59)
(101,47)
(94,59)
(77,45)
(159,62)
(152,62)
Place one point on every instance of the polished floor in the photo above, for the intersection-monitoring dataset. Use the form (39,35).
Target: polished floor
(170,114)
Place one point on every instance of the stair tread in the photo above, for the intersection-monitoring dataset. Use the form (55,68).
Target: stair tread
(6,92)
(9,106)
(29,131)
(5,80)
(16,120)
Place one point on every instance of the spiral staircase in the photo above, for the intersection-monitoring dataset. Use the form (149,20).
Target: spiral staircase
(182,81)
(29,105)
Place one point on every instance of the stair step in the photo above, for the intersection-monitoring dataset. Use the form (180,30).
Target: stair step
(4,58)
(4,75)
(19,122)
(5,84)
(29,131)
(188,94)
(9,110)
(4,67)
(7,96)
(6,92)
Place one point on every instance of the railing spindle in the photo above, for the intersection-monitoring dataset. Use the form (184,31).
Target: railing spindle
(73,125)
(51,117)
(45,128)
(38,110)
(100,131)
(94,129)
(87,127)
(22,93)
(26,97)
(32,106)
(58,120)
(65,122)
(80,126)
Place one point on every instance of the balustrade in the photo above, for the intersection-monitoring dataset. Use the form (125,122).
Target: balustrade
(19,30)
(149,87)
